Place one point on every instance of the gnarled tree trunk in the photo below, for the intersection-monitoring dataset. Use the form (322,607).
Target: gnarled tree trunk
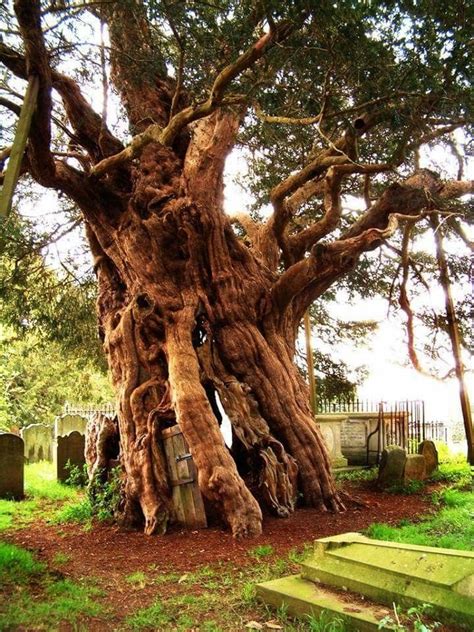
(186,311)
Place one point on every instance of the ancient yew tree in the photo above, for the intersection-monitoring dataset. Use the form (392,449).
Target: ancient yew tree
(327,99)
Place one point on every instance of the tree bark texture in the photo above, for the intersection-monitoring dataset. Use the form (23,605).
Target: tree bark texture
(188,311)
(185,311)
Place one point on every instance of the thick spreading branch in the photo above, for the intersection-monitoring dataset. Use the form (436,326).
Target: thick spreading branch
(28,13)
(217,98)
(307,279)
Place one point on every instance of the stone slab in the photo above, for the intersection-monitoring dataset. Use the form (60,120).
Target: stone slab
(392,572)
(302,597)
(38,440)
(69,449)
(12,465)
(65,424)
(430,453)
(415,468)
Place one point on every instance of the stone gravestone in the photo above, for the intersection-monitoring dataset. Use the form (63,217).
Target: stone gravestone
(392,466)
(415,468)
(430,454)
(38,440)
(12,463)
(66,424)
(69,449)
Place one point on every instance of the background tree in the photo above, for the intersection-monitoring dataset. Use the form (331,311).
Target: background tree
(187,309)
(49,348)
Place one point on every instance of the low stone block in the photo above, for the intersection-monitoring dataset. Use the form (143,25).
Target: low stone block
(430,453)
(12,463)
(392,466)
(415,468)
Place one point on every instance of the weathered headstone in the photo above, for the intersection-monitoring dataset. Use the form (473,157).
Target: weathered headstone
(392,466)
(69,450)
(65,424)
(430,454)
(12,463)
(415,468)
(38,440)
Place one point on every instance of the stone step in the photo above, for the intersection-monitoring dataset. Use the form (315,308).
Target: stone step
(390,572)
(302,597)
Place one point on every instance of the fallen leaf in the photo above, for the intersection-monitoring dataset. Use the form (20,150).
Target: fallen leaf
(183,578)
(254,625)
(273,625)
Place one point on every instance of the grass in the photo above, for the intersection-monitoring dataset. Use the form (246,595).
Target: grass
(452,527)
(33,598)
(40,482)
(17,565)
(356,476)
(263,550)
(44,498)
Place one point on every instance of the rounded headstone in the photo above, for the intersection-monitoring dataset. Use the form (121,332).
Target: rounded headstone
(430,453)
(392,466)
(69,450)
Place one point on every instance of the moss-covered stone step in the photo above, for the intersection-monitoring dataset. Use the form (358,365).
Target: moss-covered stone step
(302,597)
(391,572)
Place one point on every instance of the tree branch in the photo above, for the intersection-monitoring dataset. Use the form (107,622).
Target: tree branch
(165,136)
(29,21)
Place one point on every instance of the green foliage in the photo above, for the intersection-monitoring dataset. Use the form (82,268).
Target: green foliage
(413,619)
(49,349)
(36,599)
(104,497)
(37,378)
(326,623)
(77,476)
(356,476)
(80,512)
(61,602)
(408,487)
(44,496)
(41,482)
(137,579)
(458,473)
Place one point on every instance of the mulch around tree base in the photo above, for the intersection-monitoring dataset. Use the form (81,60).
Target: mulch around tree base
(111,551)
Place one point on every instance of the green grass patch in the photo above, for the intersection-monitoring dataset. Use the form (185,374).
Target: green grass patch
(137,579)
(34,598)
(356,476)
(17,565)
(60,602)
(451,528)
(80,512)
(458,473)
(40,482)
(148,618)
(44,494)
(61,558)
(261,551)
